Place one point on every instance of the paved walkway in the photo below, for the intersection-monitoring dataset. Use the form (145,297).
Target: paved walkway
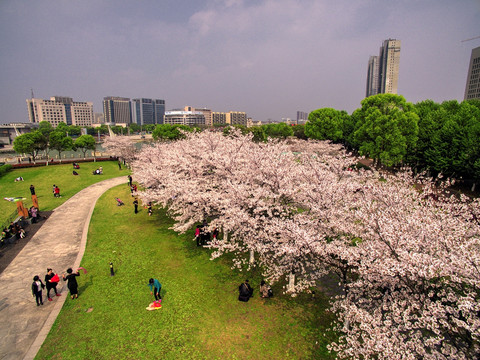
(59,244)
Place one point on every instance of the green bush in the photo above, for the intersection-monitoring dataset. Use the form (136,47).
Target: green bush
(5,169)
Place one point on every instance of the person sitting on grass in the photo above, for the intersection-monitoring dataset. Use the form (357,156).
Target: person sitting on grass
(119,202)
(265,290)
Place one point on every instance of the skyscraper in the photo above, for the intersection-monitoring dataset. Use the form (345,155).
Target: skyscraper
(117,110)
(158,111)
(472,88)
(382,74)
(372,76)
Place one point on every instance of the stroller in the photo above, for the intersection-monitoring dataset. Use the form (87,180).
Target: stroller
(119,202)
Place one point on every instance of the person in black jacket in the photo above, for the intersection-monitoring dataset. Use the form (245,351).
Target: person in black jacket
(51,284)
(245,291)
(37,287)
(72,282)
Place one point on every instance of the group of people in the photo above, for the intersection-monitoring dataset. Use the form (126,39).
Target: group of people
(51,282)
(98,171)
(203,236)
(246,292)
(14,229)
(56,191)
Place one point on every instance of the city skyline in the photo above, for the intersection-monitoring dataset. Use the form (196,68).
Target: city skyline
(269,59)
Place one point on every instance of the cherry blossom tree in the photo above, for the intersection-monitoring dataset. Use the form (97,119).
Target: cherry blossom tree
(407,254)
(121,146)
(416,286)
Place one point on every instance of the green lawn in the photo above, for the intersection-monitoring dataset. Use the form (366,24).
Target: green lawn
(44,177)
(201,317)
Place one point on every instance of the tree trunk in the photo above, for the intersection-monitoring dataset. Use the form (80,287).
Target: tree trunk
(473,187)
(251,261)
(291,282)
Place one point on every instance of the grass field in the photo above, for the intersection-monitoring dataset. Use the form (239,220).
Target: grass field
(201,317)
(44,177)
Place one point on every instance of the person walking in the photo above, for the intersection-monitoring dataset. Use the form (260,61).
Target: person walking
(32,189)
(37,287)
(130,180)
(51,281)
(197,235)
(72,284)
(135,203)
(155,288)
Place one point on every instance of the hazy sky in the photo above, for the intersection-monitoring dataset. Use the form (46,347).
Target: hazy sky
(269,58)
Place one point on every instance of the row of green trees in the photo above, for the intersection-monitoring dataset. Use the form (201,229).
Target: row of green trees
(47,138)
(427,136)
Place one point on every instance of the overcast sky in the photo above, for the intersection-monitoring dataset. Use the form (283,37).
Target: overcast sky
(269,58)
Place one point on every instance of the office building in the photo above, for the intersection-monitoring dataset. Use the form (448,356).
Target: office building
(372,76)
(383,70)
(472,88)
(181,117)
(148,111)
(60,109)
(219,118)
(158,111)
(117,111)
(302,117)
(236,118)
(206,112)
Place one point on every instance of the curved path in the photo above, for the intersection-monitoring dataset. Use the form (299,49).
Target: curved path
(59,244)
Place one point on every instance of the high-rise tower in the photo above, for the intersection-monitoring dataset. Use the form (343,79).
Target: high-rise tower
(382,75)
(472,88)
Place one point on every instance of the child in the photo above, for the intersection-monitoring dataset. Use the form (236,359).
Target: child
(37,287)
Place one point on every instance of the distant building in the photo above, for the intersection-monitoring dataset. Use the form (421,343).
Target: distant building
(236,118)
(98,118)
(148,111)
(60,109)
(8,132)
(117,111)
(372,76)
(472,88)
(383,70)
(219,118)
(302,117)
(206,112)
(158,111)
(184,117)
